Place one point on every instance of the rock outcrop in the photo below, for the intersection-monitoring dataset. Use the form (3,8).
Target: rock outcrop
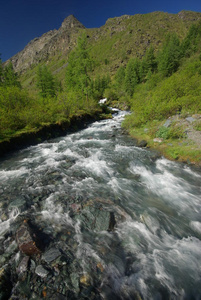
(50,43)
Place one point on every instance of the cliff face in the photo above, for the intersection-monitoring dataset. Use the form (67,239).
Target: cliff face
(50,43)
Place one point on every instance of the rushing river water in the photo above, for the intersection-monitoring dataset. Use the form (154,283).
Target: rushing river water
(121,222)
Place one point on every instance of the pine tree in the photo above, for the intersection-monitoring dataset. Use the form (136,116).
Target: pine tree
(79,66)
(1,71)
(45,82)
(132,77)
(9,76)
(169,58)
(120,78)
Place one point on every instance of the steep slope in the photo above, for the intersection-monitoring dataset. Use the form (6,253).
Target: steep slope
(48,45)
(110,45)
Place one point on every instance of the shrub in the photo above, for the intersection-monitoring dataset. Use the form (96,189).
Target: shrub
(163,133)
(197,125)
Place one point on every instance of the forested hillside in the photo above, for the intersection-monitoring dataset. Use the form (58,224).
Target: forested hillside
(149,63)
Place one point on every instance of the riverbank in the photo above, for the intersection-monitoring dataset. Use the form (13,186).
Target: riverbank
(178,138)
(34,136)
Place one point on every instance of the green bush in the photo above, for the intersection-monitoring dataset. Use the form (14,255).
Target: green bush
(163,133)
(197,125)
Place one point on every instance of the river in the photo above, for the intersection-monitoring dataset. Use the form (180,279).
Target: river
(121,222)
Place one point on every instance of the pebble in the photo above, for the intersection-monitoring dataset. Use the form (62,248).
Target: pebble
(158,140)
(51,255)
(41,271)
(190,119)
(167,123)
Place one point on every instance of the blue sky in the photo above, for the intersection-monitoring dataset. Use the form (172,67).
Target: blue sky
(23,20)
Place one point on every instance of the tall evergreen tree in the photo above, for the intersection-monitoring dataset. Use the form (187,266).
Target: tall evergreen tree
(120,78)
(1,71)
(132,77)
(79,66)
(9,76)
(169,57)
(45,82)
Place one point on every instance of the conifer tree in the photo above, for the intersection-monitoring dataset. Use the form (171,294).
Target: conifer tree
(79,66)
(169,58)
(132,77)
(45,82)
(9,76)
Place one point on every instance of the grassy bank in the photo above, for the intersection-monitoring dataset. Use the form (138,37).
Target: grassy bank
(177,146)
(32,136)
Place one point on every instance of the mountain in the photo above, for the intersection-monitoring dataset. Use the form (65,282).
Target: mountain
(49,44)
(110,45)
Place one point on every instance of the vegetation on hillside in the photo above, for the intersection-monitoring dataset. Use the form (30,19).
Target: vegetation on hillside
(20,111)
(162,84)
(155,84)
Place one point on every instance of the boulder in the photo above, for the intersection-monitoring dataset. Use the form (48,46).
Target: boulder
(167,123)
(158,140)
(190,119)
(23,266)
(51,255)
(97,218)
(41,271)
(142,144)
(25,240)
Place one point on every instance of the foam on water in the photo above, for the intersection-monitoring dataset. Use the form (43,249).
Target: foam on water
(9,174)
(165,184)
(170,260)
(195,225)
(155,248)
(5,225)
(95,164)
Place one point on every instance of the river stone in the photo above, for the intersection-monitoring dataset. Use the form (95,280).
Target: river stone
(5,283)
(20,203)
(97,218)
(41,271)
(25,242)
(158,140)
(167,123)
(51,255)
(142,144)
(85,279)
(190,119)
(23,266)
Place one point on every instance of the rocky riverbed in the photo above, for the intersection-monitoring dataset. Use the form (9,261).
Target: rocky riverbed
(92,216)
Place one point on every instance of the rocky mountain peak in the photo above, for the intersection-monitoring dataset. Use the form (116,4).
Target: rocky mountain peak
(71,22)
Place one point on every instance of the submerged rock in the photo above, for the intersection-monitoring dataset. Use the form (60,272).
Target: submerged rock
(85,279)
(5,283)
(41,271)
(51,255)
(97,218)
(142,144)
(25,241)
(23,266)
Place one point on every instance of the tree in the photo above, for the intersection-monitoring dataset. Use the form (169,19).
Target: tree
(45,82)
(8,76)
(132,77)
(1,71)
(190,44)
(79,66)
(169,58)
(99,85)
(148,64)
(120,78)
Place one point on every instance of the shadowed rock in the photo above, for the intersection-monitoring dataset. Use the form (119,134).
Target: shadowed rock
(25,240)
